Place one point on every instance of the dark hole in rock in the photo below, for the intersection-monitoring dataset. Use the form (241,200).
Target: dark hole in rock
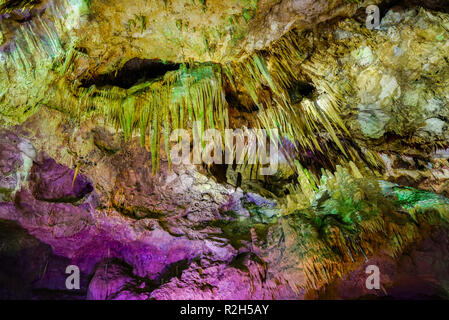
(174,270)
(83,50)
(133,72)
(219,172)
(30,270)
(385,6)
(300,90)
(405,181)
(437,5)
(243,260)
(233,100)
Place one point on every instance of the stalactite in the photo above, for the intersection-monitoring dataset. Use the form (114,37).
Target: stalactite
(349,217)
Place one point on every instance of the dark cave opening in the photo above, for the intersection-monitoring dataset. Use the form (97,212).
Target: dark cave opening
(387,5)
(173,270)
(437,5)
(133,72)
(300,90)
(234,101)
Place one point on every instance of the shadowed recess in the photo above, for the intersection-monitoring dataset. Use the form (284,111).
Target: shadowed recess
(133,72)
(9,5)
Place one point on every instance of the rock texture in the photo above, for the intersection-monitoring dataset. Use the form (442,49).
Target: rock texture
(74,190)
(235,247)
(217,31)
(397,100)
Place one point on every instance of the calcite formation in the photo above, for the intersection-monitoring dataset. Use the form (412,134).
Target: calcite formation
(91,91)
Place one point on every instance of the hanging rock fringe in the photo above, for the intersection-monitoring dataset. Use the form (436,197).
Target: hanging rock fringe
(7,6)
(156,107)
(279,68)
(196,93)
(348,216)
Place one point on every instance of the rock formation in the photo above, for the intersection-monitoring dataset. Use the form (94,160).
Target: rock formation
(92,91)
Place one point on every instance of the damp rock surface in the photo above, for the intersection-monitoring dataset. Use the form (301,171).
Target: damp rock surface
(91,92)
(221,255)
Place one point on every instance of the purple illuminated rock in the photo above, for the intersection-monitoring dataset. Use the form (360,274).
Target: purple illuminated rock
(178,235)
(51,181)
